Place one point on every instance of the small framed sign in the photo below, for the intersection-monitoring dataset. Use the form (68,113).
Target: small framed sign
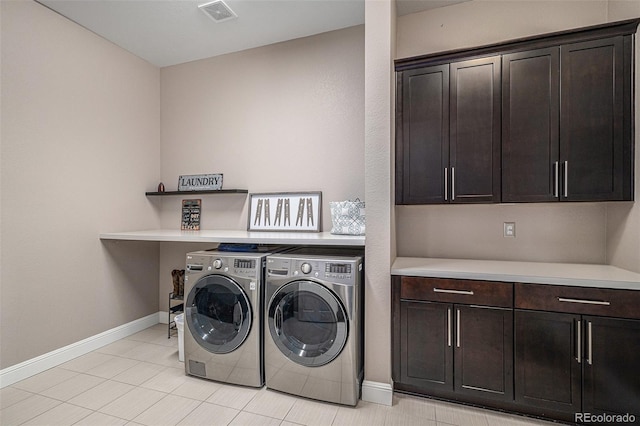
(285,211)
(191,215)
(200,182)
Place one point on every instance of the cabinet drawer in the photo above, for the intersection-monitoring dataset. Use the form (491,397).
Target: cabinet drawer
(578,300)
(469,292)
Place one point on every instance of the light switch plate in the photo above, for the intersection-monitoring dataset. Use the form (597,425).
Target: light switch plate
(509,229)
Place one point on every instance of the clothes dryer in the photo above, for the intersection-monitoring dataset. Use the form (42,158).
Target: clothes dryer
(224,298)
(314,324)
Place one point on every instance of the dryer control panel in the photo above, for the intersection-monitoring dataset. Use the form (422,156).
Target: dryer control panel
(343,271)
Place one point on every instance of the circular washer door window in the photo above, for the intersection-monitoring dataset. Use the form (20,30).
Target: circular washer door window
(308,323)
(218,314)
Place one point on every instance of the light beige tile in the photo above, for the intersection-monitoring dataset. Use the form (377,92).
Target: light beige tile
(84,363)
(26,410)
(311,413)
(250,419)
(271,404)
(209,415)
(113,367)
(72,387)
(118,348)
(139,373)
(60,415)
(365,414)
(133,403)
(168,411)
(167,380)
(460,415)
(155,335)
(503,419)
(233,396)
(195,388)
(44,380)
(414,406)
(156,354)
(99,396)
(11,395)
(100,419)
(398,418)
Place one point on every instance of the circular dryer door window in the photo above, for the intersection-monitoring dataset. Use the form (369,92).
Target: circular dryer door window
(218,314)
(308,323)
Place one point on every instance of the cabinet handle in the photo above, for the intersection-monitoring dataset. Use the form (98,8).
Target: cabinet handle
(566,179)
(589,344)
(556,179)
(458,328)
(446,186)
(449,327)
(444,290)
(584,301)
(453,184)
(579,349)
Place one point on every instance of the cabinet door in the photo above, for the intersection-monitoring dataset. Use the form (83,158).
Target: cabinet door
(530,129)
(484,352)
(475,131)
(423,145)
(595,150)
(426,347)
(611,367)
(548,360)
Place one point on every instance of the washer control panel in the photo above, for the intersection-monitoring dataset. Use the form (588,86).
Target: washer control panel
(215,263)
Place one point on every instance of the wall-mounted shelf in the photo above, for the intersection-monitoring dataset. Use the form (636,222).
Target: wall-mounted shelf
(216,191)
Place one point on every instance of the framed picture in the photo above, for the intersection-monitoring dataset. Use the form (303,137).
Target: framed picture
(191,215)
(285,211)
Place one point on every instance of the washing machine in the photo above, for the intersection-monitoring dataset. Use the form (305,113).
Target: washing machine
(314,330)
(224,298)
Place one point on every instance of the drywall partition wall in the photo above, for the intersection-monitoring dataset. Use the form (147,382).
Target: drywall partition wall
(623,219)
(379,94)
(284,117)
(80,144)
(569,232)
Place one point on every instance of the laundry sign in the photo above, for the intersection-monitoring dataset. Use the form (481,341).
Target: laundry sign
(200,182)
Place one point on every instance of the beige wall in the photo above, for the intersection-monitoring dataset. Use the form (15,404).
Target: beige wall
(623,219)
(570,232)
(80,144)
(284,117)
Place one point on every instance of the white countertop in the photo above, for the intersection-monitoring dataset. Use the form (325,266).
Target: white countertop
(585,275)
(234,236)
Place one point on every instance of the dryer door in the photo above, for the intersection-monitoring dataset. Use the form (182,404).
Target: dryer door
(218,314)
(308,323)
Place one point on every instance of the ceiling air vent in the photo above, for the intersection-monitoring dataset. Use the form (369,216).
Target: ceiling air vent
(218,11)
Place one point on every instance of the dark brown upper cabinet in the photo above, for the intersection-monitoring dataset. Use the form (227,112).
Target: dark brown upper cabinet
(425,151)
(450,148)
(595,148)
(530,125)
(542,119)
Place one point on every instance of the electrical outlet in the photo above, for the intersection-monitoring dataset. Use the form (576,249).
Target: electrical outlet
(510,229)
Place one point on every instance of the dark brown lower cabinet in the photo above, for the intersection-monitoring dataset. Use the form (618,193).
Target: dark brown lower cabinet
(547,366)
(577,364)
(551,351)
(611,366)
(459,348)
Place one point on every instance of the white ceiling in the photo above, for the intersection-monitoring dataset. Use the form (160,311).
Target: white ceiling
(169,32)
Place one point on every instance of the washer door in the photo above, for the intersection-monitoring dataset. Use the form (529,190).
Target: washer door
(218,314)
(308,323)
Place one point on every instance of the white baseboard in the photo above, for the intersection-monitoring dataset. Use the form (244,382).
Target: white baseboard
(31,367)
(376,392)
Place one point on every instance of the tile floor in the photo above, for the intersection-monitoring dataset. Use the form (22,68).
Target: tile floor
(139,381)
